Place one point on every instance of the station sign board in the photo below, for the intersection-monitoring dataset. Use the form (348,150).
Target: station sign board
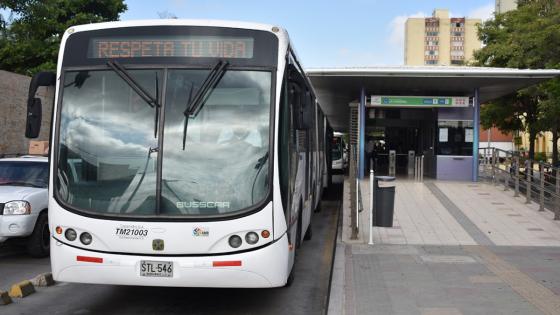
(418,101)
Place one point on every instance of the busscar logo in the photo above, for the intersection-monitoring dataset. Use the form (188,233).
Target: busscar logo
(200,231)
(158,244)
(202,204)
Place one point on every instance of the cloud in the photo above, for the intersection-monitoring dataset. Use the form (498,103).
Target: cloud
(484,12)
(396,32)
(396,26)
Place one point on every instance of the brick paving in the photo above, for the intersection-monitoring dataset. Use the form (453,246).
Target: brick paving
(455,248)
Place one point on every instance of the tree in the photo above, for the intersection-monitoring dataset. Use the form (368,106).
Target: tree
(551,110)
(528,37)
(30,38)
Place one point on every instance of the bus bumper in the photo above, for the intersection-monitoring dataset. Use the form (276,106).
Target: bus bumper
(265,267)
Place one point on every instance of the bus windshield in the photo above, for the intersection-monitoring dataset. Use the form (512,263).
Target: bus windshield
(115,158)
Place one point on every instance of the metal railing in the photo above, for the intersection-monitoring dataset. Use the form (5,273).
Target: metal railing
(355,193)
(538,181)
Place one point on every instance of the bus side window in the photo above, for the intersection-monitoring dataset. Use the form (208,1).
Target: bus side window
(284,144)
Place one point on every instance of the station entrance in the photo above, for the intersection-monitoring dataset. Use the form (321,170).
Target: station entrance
(395,136)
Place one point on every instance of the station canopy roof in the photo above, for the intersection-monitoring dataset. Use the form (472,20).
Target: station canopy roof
(337,87)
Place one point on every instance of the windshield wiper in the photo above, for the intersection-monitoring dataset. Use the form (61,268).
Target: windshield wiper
(141,91)
(260,163)
(195,104)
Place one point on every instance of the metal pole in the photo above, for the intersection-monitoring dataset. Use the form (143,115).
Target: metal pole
(516,159)
(362,132)
(507,175)
(353,192)
(357,204)
(493,166)
(557,208)
(422,168)
(528,179)
(372,195)
(417,162)
(485,162)
(415,168)
(541,192)
(476,128)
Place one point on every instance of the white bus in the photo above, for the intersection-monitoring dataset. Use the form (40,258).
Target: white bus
(184,153)
(339,153)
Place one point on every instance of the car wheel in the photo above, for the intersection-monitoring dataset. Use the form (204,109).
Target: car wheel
(38,244)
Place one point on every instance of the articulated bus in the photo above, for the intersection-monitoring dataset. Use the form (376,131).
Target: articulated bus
(183,153)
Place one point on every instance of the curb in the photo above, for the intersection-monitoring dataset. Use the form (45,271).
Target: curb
(43,280)
(21,289)
(5,298)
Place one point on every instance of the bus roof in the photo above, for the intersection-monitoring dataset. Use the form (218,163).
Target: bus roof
(179,22)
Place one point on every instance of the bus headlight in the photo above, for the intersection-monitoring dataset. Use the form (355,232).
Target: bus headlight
(17,207)
(85,238)
(252,238)
(70,234)
(235,241)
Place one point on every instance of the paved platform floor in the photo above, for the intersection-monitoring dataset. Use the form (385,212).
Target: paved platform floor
(455,248)
(459,213)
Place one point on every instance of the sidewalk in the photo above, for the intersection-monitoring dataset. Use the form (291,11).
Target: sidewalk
(455,248)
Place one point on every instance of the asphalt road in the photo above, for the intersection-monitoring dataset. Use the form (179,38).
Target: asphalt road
(307,295)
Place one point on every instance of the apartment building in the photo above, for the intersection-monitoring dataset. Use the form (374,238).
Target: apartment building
(440,40)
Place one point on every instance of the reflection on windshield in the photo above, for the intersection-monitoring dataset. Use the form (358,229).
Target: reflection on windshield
(108,156)
(219,171)
(106,133)
(32,174)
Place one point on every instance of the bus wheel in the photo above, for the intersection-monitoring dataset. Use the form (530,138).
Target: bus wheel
(319,207)
(299,228)
(38,244)
(291,277)
(308,234)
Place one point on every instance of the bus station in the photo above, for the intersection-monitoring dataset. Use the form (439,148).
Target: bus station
(452,198)
(415,111)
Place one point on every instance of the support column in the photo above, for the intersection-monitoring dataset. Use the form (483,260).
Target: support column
(362,132)
(476,130)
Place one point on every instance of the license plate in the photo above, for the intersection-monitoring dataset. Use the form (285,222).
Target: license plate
(151,268)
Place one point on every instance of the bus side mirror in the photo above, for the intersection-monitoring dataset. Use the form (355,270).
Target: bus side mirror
(34,106)
(34,113)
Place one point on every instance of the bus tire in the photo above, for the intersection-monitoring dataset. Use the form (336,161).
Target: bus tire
(38,245)
(299,228)
(291,277)
(308,234)
(319,207)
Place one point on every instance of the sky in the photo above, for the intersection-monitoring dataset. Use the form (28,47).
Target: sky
(325,33)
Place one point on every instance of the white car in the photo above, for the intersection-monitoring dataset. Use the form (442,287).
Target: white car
(23,202)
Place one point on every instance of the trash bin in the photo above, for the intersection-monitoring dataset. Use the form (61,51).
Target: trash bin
(384,201)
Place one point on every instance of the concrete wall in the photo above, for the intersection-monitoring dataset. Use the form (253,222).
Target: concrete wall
(414,42)
(444,37)
(502,6)
(13,105)
(472,42)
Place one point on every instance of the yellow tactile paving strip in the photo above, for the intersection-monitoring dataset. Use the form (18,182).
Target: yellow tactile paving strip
(535,293)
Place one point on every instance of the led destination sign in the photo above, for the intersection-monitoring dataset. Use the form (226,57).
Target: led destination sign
(172,46)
